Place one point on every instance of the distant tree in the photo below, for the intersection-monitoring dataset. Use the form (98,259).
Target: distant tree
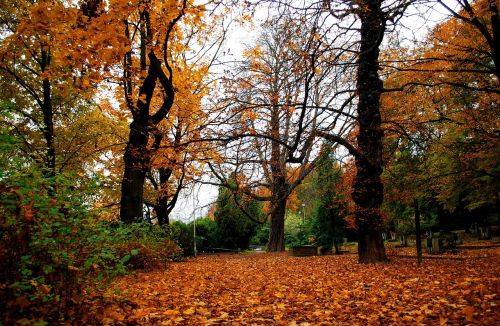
(206,231)
(274,114)
(442,130)
(328,223)
(234,227)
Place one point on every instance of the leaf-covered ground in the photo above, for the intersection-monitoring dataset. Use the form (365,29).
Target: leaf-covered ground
(282,290)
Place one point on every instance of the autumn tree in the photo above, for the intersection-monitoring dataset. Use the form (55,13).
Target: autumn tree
(153,30)
(48,82)
(177,151)
(331,209)
(234,228)
(273,115)
(447,115)
(482,19)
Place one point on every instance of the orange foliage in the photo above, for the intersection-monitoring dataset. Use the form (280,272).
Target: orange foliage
(345,189)
(281,290)
(450,107)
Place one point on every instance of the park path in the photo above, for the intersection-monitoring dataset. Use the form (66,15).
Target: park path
(276,289)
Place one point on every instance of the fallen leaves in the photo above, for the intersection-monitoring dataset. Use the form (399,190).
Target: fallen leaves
(278,289)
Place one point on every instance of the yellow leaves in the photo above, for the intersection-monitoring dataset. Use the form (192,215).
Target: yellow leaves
(246,19)
(189,311)
(253,301)
(279,295)
(267,289)
(171,312)
(254,53)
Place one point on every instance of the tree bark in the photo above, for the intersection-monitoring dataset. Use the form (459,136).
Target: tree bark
(136,163)
(367,190)
(48,121)
(279,187)
(137,156)
(162,205)
(277,228)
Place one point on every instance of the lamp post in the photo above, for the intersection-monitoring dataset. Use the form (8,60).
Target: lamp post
(194,223)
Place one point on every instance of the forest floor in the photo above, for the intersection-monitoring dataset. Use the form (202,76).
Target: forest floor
(277,289)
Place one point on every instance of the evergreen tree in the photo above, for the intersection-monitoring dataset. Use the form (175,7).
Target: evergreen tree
(328,224)
(234,228)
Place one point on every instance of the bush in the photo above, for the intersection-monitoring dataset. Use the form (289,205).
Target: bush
(261,236)
(207,234)
(55,253)
(53,249)
(182,234)
(296,230)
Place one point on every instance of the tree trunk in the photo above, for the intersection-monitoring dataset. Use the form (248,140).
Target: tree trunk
(336,246)
(417,231)
(161,211)
(137,155)
(367,190)
(370,246)
(136,161)
(48,121)
(279,186)
(277,229)
(162,205)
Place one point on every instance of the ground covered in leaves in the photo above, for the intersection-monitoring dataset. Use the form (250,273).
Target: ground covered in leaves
(282,290)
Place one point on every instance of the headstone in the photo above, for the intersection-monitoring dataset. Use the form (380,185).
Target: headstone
(435,246)
(460,235)
(484,232)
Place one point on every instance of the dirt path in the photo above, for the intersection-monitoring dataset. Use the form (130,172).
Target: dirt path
(278,289)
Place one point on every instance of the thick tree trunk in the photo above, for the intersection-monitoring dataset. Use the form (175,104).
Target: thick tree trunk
(277,229)
(161,210)
(367,190)
(136,160)
(370,246)
(137,155)
(279,194)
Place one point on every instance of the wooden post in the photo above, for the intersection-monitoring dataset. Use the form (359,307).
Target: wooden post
(417,231)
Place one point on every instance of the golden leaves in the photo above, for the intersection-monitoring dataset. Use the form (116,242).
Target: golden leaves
(277,289)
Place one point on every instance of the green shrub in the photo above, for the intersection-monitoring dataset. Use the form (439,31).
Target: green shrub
(55,252)
(261,236)
(207,233)
(182,234)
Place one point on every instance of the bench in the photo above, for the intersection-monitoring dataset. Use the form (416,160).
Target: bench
(302,251)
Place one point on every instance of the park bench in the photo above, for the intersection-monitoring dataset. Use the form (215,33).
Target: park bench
(302,251)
